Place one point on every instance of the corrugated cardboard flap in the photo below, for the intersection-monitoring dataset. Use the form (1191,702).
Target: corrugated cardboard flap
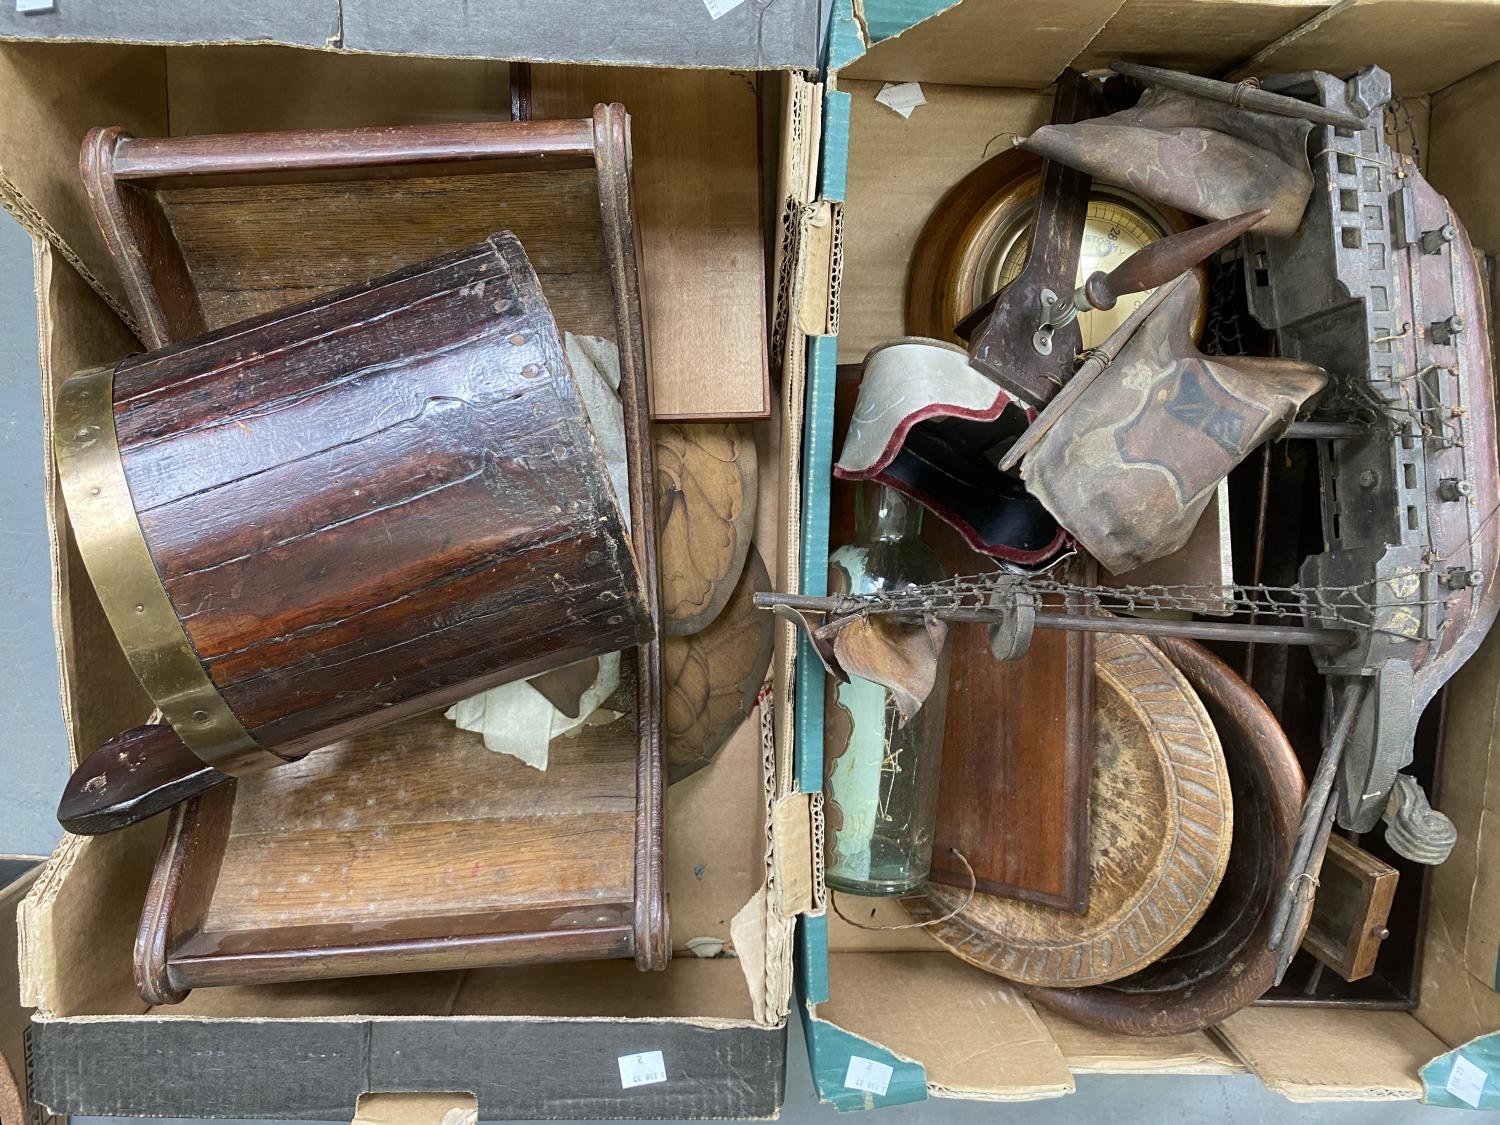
(756,35)
(974,43)
(1089,1051)
(818,267)
(416,1109)
(792,833)
(976,1035)
(1423,53)
(1333,1054)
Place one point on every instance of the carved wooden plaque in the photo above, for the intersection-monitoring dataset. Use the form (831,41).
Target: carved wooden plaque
(706,477)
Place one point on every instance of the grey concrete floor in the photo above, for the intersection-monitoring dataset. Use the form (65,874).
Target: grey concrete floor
(33,759)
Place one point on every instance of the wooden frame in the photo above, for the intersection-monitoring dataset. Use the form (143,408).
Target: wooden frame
(130,182)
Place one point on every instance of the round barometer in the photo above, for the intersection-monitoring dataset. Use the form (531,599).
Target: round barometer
(978,238)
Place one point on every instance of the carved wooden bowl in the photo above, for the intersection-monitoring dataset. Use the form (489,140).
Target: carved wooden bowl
(1223,963)
(1160,828)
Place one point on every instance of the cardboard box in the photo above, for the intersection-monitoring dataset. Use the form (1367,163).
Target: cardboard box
(896,998)
(748,35)
(522,1043)
(17,873)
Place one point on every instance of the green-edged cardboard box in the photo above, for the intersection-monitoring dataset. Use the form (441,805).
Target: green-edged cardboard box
(890,1017)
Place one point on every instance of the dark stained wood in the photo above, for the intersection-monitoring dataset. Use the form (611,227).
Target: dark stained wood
(414,592)
(146,252)
(1223,963)
(162,773)
(579,215)
(554,143)
(182,884)
(1001,346)
(622,250)
(940,278)
(1018,750)
(1018,742)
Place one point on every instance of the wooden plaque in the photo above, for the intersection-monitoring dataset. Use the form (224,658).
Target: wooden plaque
(1158,841)
(1018,748)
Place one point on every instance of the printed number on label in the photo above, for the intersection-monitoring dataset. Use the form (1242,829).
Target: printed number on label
(717,8)
(868,1075)
(1466,1081)
(642,1069)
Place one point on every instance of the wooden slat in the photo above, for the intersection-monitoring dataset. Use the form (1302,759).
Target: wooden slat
(696,142)
(257,247)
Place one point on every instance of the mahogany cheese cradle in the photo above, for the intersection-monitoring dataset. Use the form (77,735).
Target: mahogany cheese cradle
(406,849)
(207,230)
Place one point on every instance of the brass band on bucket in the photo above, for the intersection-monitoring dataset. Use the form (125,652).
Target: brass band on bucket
(130,590)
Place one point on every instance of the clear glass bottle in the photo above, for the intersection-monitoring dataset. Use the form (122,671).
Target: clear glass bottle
(880,779)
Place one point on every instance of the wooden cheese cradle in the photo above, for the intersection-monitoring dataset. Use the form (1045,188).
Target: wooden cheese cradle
(447,857)
(408,849)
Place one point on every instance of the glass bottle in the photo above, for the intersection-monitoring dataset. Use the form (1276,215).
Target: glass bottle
(880,779)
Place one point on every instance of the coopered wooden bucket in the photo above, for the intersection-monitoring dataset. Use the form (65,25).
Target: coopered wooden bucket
(336,516)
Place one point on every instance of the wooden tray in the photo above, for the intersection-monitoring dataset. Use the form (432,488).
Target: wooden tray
(1223,963)
(1161,824)
(208,230)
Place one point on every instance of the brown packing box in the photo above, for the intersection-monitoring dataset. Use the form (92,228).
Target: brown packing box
(984,67)
(524,1043)
(17,874)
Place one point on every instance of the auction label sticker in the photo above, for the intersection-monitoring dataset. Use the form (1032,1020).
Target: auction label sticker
(868,1075)
(642,1069)
(1466,1081)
